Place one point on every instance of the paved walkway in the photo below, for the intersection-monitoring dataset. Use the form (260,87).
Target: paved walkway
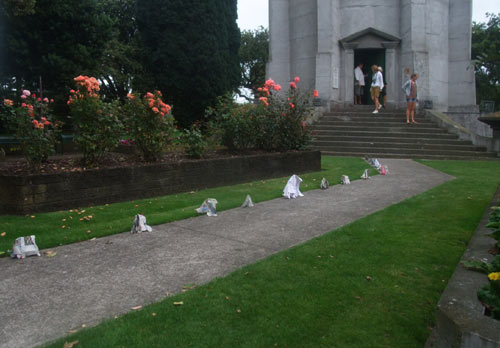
(42,299)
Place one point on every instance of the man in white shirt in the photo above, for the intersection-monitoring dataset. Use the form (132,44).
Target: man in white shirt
(377,86)
(359,84)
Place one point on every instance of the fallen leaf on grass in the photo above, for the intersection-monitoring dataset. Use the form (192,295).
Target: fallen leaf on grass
(89,231)
(178,303)
(50,253)
(368,278)
(238,310)
(70,344)
(188,287)
(3,234)
(136,308)
(32,216)
(227,298)
(63,226)
(153,314)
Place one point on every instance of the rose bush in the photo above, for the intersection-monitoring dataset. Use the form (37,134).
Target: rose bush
(98,127)
(149,122)
(31,121)
(276,123)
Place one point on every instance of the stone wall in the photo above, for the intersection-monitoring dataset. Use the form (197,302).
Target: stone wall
(37,193)
(460,319)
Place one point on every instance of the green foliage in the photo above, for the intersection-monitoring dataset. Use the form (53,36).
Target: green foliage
(59,40)
(277,123)
(191,51)
(97,124)
(486,58)
(489,295)
(32,123)
(149,122)
(194,143)
(235,125)
(483,267)
(254,54)
(121,69)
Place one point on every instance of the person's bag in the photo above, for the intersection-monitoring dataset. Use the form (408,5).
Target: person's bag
(365,175)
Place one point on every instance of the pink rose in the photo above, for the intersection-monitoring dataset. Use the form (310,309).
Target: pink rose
(45,100)
(23,96)
(293,85)
(26,93)
(296,79)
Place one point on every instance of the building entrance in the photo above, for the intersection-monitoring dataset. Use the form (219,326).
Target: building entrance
(369,57)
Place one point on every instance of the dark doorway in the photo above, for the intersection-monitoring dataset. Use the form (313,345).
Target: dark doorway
(369,57)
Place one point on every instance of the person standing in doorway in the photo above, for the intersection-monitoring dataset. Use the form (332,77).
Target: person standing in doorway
(376,87)
(359,85)
(410,89)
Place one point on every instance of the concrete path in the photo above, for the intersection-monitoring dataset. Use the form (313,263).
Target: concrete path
(42,299)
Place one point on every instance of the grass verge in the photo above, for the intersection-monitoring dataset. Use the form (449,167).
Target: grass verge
(79,224)
(373,283)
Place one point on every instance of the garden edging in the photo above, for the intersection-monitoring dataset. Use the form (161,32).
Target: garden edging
(50,192)
(460,320)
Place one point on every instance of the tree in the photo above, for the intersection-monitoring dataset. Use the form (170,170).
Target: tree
(121,68)
(254,54)
(191,52)
(486,56)
(55,40)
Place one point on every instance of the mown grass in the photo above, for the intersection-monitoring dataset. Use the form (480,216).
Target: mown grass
(372,283)
(64,227)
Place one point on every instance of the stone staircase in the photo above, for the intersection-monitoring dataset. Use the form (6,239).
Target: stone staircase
(357,132)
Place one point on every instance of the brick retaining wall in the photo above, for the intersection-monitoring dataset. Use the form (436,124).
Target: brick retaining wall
(38,193)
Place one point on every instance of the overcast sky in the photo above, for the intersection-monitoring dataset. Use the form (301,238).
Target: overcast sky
(254,13)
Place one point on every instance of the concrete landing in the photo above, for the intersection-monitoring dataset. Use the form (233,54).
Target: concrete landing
(42,299)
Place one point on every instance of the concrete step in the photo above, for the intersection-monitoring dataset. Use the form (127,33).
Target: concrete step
(396,145)
(379,123)
(385,134)
(381,152)
(402,129)
(413,156)
(369,139)
(381,113)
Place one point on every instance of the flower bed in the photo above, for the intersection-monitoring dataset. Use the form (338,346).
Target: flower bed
(49,192)
(461,319)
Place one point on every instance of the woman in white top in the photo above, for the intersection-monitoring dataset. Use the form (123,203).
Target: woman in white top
(377,86)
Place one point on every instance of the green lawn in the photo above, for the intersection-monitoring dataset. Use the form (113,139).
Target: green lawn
(317,294)
(116,218)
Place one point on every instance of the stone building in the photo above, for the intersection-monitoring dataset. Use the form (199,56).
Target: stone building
(323,40)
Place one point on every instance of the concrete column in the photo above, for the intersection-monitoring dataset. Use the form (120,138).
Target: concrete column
(348,81)
(278,67)
(325,47)
(462,90)
(391,74)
